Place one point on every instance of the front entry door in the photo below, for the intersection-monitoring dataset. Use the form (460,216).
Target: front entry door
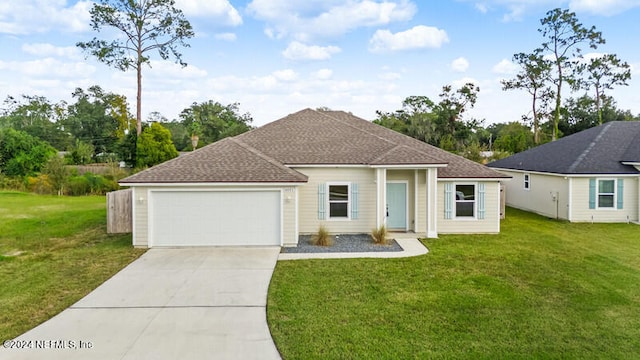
(397,206)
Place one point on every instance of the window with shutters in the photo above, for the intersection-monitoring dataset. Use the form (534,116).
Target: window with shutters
(339,200)
(465,196)
(606,193)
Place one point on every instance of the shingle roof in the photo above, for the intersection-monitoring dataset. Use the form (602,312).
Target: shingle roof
(598,150)
(225,161)
(308,137)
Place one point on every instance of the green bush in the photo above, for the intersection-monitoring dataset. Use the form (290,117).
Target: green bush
(90,184)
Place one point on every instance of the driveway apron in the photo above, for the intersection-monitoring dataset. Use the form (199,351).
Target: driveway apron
(182,303)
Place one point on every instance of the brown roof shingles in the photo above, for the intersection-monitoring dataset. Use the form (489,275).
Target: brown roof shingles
(308,137)
(226,161)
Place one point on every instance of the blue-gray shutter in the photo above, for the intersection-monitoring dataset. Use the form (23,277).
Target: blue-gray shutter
(322,201)
(620,193)
(481,195)
(354,201)
(592,193)
(448,199)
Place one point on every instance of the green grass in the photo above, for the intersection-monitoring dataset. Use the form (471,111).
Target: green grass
(541,289)
(53,251)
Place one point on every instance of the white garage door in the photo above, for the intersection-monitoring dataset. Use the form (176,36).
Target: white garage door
(212,218)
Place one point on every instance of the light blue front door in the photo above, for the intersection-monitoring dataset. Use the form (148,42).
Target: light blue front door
(397,206)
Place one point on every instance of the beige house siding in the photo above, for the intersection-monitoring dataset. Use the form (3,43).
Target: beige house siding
(308,200)
(580,200)
(140,202)
(548,195)
(289,209)
(491,221)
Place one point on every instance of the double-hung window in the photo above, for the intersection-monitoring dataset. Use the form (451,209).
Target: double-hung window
(527,181)
(606,193)
(465,200)
(338,200)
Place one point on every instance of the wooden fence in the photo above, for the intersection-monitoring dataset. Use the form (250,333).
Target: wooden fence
(119,212)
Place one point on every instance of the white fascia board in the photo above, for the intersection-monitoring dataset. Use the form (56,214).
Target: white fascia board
(326,166)
(198,185)
(410,166)
(472,179)
(566,175)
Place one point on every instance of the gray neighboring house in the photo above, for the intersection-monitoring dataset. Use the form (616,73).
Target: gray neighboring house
(590,176)
(311,168)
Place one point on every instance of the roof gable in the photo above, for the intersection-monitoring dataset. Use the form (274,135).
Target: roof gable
(598,150)
(227,160)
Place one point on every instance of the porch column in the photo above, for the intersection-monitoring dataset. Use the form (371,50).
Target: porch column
(432,203)
(415,201)
(381,197)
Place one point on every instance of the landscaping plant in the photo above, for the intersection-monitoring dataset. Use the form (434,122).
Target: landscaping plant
(322,237)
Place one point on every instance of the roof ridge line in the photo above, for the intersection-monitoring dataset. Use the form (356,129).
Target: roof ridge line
(586,152)
(361,130)
(264,156)
(385,139)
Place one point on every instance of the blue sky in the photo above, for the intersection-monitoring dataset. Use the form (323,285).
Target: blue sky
(275,57)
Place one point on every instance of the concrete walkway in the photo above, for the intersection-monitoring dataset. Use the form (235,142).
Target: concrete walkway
(192,303)
(410,247)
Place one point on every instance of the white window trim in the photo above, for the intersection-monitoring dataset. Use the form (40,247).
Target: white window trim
(475,202)
(339,183)
(527,181)
(615,194)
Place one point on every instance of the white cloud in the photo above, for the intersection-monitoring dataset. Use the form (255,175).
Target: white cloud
(389,76)
(222,10)
(465,80)
(226,37)
(36,16)
(285,75)
(481,7)
(300,51)
(171,70)
(45,50)
(415,38)
(49,68)
(323,74)
(306,20)
(603,7)
(460,64)
(505,67)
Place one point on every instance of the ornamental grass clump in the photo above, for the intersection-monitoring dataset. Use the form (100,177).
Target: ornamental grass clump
(379,235)
(322,237)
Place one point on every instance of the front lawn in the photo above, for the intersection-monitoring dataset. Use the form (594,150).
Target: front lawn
(53,251)
(540,289)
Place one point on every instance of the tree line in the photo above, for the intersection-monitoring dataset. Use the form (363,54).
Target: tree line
(568,91)
(40,136)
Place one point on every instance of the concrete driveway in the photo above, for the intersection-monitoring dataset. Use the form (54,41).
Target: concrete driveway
(192,303)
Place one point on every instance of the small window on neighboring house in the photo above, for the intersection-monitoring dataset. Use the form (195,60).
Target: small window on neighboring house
(527,182)
(465,200)
(606,193)
(339,201)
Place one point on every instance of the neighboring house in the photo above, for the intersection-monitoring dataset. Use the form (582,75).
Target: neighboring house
(590,176)
(288,177)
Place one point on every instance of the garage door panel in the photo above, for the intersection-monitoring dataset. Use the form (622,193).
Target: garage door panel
(212,218)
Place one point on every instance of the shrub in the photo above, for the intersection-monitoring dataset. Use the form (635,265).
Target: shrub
(78,185)
(379,235)
(322,237)
(40,184)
